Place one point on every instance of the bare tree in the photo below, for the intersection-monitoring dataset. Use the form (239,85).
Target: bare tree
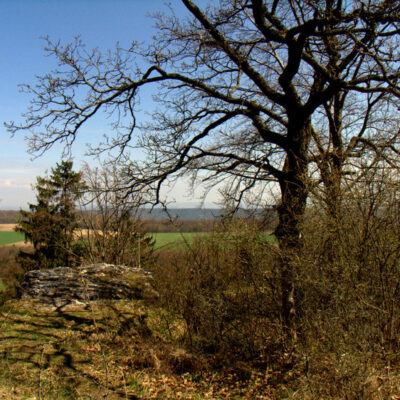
(248,92)
(112,230)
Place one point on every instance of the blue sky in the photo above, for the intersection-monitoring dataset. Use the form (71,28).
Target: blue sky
(99,23)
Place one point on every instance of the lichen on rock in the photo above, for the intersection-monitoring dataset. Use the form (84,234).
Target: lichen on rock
(87,282)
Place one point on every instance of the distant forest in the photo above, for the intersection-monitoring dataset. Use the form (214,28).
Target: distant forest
(8,216)
(177,219)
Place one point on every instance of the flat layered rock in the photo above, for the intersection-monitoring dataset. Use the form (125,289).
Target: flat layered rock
(86,283)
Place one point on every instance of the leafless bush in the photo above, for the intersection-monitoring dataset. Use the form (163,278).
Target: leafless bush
(224,288)
(11,273)
(112,231)
(349,275)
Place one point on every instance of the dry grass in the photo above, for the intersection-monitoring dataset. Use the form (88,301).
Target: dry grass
(18,245)
(114,351)
(7,227)
(130,350)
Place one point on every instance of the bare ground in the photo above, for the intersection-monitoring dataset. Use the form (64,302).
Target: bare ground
(7,227)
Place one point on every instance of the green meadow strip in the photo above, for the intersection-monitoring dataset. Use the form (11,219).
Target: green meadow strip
(11,237)
(175,239)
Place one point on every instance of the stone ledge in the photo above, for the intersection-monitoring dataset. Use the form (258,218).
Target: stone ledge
(87,282)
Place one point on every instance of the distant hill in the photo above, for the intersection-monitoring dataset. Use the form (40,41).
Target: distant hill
(191,214)
(8,216)
(158,214)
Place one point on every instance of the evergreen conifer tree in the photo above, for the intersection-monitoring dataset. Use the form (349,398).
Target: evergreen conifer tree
(50,223)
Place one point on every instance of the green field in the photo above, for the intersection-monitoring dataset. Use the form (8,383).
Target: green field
(172,239)
(11,237)
(162,239)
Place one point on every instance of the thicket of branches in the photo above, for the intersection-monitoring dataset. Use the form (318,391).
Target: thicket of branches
(299,93)
(112,231)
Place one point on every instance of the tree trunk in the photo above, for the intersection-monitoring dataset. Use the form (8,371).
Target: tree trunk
(332,196)
(291,211)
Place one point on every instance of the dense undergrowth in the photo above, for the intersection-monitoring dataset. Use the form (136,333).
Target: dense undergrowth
(215,331)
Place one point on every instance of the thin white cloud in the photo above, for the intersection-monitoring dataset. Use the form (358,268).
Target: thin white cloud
(15,183)
(7,183)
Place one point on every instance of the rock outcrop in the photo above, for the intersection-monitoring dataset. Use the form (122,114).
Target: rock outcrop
(86,283)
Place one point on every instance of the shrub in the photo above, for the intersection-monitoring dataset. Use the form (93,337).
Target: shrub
(349,275)
(223,286)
